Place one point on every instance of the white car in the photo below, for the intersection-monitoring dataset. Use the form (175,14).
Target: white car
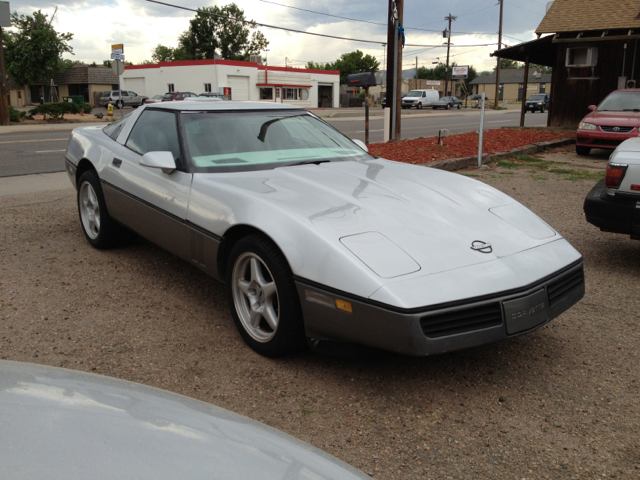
(613,204)
(315,239)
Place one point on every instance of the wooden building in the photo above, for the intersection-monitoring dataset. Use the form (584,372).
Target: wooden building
(593,49)
(511,84)
(86,80)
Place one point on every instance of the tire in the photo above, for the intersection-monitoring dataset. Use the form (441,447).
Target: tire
(99,228)
(459,106)
(541,109)
(583,150)
(263,298)
(419,106)
(119,104)
(448,106)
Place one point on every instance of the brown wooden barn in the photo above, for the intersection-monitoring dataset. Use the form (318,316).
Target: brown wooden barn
(593,49)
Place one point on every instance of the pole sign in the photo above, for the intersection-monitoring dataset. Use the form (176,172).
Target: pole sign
(460,73)
(433,83)
(117,49)
(5,14)
(117,56)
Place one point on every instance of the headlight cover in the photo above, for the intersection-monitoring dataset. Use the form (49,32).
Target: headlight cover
(586,126)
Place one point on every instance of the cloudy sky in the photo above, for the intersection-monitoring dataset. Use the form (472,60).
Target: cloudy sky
(141,25)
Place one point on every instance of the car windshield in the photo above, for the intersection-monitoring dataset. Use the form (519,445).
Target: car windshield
(621,102)
(233,141)
(414,93)
(168,95)
(157,97)
(537,97)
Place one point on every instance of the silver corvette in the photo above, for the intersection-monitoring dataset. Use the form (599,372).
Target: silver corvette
(315,239)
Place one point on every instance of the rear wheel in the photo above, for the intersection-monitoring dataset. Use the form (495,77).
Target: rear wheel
(582,150)
(263,298)
(448,106)
(119,104)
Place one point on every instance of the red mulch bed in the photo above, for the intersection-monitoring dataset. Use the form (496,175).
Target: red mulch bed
(425,150)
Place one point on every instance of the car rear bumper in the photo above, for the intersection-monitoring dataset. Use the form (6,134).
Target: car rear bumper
(440,328)
(600,139)
(612,213)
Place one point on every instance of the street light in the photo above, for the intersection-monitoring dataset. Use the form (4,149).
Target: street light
(438,61)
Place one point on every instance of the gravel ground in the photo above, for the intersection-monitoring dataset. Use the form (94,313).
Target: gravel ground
(562,402)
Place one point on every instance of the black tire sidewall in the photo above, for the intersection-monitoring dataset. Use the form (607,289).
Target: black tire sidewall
(289,336)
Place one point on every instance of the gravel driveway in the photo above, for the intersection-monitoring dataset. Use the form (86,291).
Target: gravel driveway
(562,402)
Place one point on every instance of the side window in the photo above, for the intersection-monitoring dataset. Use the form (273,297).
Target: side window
(113,130)
(133,94)
(155,131)
(424,94)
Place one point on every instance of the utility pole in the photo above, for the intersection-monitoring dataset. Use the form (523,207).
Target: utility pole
(398,96)
(391,79)
(4,101)
(495,103)
(416,72)
(446,85)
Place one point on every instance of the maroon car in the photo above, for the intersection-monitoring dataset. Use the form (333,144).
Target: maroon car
(177,96)
(610,123)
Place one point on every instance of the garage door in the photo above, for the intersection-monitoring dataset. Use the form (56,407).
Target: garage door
(239,87)
(135,85)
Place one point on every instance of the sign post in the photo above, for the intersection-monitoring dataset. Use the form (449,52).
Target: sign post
(117,54)
(5,21)
(481,132)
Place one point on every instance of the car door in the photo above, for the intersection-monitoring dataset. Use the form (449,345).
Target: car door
(147,200)
(134,98)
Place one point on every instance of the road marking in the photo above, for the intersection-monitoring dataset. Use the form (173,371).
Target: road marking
(46,140)
(49,151)
(381,130)
(501,121)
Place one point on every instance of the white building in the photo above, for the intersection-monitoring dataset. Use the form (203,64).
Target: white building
(246,81)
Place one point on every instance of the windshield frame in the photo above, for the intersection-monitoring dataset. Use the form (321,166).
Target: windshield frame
(193,168)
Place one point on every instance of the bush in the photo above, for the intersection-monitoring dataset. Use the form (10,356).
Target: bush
(15,115)
(85,108)
(55,110)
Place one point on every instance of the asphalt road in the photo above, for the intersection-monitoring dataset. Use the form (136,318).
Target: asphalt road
(43,152)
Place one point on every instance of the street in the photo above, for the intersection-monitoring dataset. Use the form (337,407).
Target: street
(33,152)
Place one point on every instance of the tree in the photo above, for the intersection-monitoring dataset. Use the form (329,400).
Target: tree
(34,51)
(354,62)
(535,66)
(161,53)
(506,63)
(209,34)
(64,63)
(319,66)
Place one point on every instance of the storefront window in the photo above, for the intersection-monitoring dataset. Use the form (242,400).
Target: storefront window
(304,93)
(266,93)
(291,94)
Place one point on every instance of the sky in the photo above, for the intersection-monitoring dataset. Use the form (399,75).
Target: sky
(141,25)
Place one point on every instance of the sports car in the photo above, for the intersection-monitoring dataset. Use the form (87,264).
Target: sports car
(315,239)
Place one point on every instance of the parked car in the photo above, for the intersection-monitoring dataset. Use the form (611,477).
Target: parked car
(67,424)
(121,98)
(447,103)
(177,96)
(383,103)
(537,101)
(612,204)
(154,99)
(420,98)
(221,96)
(315,238)
(474,97)
(610,123)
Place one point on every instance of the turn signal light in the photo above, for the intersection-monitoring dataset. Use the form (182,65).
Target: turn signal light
(344,305)
(615,174)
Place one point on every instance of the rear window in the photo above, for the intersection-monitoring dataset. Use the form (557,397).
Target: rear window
(106,94)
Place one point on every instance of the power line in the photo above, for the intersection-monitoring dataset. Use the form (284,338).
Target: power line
(252,23)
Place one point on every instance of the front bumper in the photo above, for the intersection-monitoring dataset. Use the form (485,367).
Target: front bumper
(612,213)
(599,139)
(441,328)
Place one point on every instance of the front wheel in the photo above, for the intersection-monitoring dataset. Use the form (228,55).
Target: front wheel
(459,106)
(99,228)
(419,106)
(541,109)
(263,298)
(583,150)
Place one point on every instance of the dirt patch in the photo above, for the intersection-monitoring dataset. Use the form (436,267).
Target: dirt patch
(562,402)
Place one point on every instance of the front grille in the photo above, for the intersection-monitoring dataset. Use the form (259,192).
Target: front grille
(462,321)
(613,129)
(608,143)
(558,289)
(582,140)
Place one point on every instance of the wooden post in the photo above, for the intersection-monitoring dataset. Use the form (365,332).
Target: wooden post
(366,116)
(525,84)
(495,103)
(391,79)
(398,95)
(4,101)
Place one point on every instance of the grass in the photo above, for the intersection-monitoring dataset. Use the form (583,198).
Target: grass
(305,411)
(546,166)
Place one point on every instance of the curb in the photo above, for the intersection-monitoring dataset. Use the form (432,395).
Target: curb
(453,164)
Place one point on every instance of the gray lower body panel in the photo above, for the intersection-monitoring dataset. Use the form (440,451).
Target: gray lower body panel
(434,330)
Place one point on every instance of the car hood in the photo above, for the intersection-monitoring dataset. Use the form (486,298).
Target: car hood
(619,119)
(62,424)
(397,219)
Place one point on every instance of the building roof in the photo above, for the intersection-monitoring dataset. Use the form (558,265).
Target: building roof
(511,75)
(541,51)
(81,74)
(584,15)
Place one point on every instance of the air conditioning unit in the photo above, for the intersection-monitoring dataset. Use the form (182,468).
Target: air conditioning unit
(631,84)
(581,57)
(256,59)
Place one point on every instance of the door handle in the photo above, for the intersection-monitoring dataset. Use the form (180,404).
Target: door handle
(116,162)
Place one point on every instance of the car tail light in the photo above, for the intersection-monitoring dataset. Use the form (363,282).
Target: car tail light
(635,188)
(615,174)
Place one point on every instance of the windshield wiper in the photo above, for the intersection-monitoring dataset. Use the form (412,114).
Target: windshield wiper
(307,162)
(631,109)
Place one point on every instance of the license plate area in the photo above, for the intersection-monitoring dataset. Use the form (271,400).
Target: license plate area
(527,312)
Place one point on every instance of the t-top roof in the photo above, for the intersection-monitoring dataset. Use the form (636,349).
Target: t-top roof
(584,15)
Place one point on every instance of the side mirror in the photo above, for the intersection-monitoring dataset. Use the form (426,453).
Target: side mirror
(162,160)
(592,107)
(361,144)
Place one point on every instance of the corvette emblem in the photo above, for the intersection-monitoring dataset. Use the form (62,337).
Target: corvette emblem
(482,247)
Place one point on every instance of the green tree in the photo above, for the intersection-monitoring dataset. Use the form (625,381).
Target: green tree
(35,49)
(64,63)
(535,66)
(354,62)
(209,35)
(319,66)
(162,52)
(506,63)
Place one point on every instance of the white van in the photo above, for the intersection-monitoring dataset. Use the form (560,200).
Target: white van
(420,98)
